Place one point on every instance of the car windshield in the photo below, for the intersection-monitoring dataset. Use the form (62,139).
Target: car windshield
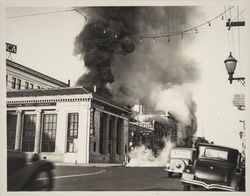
(182,153)
(212,153)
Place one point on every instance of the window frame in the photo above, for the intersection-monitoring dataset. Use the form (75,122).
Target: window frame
(31,86)
(18,84)
(28,137)
(13,83)
(27,85)
(51,129)
(11,130)
(72,131)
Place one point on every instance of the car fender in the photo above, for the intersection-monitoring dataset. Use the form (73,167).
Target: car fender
(22,177)
(178,165)
(235,180)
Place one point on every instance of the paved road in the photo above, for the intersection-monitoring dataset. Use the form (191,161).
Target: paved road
(82,178)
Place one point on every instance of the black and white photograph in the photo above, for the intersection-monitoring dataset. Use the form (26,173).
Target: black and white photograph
(146,97)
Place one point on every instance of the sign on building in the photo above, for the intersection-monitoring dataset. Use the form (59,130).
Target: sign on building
(11,48)
(239,100)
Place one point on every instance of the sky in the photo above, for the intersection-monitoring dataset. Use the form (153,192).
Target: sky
(45,43)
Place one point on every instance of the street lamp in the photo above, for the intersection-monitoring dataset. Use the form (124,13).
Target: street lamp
(230,63)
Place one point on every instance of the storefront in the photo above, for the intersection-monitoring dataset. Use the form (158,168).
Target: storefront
(68,125)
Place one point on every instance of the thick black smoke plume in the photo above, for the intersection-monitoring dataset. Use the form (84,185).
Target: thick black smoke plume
(108,33)
(130,69)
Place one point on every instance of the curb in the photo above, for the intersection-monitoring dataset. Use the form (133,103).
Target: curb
(89,165)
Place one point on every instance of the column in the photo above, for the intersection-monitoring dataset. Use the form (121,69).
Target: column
(38,132)
(114,139)
(18,131)
(106,134)
(122,149)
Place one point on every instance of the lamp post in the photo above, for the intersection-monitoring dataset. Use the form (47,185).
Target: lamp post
(230,64)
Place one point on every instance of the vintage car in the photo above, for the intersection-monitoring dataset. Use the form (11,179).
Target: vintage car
(22,175)
(215,168)
(179,158)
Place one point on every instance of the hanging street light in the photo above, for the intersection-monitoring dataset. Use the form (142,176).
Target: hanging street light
(230,63)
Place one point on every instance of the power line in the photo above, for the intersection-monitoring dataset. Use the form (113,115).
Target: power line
(78,10)
(181,34)
(41,13)
(195,28)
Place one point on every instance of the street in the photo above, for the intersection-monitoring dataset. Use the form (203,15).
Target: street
(82,178)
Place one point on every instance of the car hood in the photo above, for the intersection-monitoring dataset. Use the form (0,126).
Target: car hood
(213,170)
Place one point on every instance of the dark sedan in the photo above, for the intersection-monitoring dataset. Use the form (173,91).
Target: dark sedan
(215,168)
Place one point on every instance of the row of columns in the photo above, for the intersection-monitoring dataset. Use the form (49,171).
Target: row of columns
(116,139)
(19,131)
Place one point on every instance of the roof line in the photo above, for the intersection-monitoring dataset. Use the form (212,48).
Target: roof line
(36,73)
(114,105)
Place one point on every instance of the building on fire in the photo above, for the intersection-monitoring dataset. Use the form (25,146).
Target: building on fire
(159,127)
(139,135)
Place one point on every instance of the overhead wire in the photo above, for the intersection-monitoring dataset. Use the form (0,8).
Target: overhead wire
(169,35)
(228,35)
(194,28)
(238,15)
(41,13)
(232,34)
(51,12)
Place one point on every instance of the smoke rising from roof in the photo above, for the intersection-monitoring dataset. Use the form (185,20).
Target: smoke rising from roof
(132,70)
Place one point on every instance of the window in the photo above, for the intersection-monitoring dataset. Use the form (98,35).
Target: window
(94,146)
(212,153)
(73,121)
(29,129)
(26,85)
(13,83)
(11,130)
(31,86)
(101,149)
(18,84)
(49,132)
(6,80)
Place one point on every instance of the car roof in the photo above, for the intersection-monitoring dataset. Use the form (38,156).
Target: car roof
(182,148)
(217,146)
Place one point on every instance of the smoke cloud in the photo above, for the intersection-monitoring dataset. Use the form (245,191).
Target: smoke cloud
(143,157)
(130,69)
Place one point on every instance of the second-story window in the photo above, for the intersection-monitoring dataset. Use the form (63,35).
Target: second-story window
(13,83)
(31,86)
(26,85)
(18,84)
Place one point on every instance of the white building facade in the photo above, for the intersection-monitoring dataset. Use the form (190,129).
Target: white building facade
(19,77)
(69,125)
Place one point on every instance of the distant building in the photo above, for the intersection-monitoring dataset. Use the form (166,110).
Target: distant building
(139,135)
(69,125)
(19,77)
